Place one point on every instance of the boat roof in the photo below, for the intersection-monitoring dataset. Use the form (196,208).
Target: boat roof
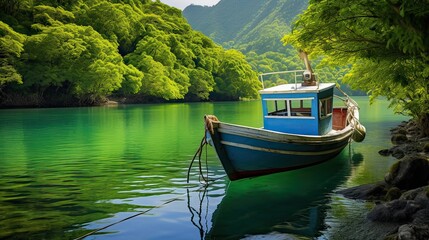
(297,88)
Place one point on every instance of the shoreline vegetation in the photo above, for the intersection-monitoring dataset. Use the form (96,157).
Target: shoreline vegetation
(106,101)
(402,198)
(71,53)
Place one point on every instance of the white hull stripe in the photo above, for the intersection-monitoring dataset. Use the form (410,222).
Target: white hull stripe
(245,146)
(266,135)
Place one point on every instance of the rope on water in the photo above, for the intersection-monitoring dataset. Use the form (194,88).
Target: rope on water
(194,212)
(208,127)
(148,210)
(197,155)
(128,218)
(203,187)
(208,120)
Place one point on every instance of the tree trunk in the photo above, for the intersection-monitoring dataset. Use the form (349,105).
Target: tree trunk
(424,125)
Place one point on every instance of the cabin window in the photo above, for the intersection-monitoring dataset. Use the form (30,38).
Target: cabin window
(325,107)
(277,107)
(291,107)
(301,108)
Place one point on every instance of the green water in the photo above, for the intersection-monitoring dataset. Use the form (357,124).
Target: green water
(66,172)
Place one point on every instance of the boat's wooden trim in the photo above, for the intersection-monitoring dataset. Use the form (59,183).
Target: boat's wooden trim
(239,145)
(272,136)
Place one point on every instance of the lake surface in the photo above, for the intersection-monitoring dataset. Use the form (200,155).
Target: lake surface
(66,172)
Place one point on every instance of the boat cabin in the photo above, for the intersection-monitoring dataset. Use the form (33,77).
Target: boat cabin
(298,109)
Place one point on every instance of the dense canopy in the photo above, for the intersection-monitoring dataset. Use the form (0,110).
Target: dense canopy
(78,52)
(387,43)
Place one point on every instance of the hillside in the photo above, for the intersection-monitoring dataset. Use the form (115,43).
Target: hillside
(246,25)
(253,27)
(256,28)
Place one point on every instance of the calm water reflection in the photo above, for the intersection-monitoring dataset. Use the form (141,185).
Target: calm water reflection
(66,172)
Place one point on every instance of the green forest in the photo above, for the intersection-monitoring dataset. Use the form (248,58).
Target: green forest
(386,43)
(256,28)
(75,52)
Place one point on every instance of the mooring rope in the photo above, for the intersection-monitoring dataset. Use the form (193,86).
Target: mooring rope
(350,108)
(351,118)
(208,129)
(148,210)
(198,153)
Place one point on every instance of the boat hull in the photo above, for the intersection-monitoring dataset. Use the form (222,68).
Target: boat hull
(249,152)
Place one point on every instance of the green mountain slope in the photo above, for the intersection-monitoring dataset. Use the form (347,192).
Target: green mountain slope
(256,28)
(247,25)
(253,27)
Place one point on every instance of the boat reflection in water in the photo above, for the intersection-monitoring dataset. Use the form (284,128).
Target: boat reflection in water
(288,203)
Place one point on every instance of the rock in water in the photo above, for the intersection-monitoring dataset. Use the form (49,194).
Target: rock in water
(409,172)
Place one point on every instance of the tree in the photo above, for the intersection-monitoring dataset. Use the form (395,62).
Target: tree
(235,78)
(119,23)
(13,7)
(156,82)
(11,46)
(75,57)
(386,41)
(202,83)
(51,16)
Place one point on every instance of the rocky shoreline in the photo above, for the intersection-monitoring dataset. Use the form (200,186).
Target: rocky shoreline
(403,196)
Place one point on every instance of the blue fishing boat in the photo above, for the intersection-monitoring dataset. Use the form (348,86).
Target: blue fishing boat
(301,128)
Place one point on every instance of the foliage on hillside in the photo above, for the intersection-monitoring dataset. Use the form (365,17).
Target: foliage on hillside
(79,52)
(256,28)
(223,22)
(387,42)
(246,25)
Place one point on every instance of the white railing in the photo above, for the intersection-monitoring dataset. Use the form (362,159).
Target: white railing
(297,74)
